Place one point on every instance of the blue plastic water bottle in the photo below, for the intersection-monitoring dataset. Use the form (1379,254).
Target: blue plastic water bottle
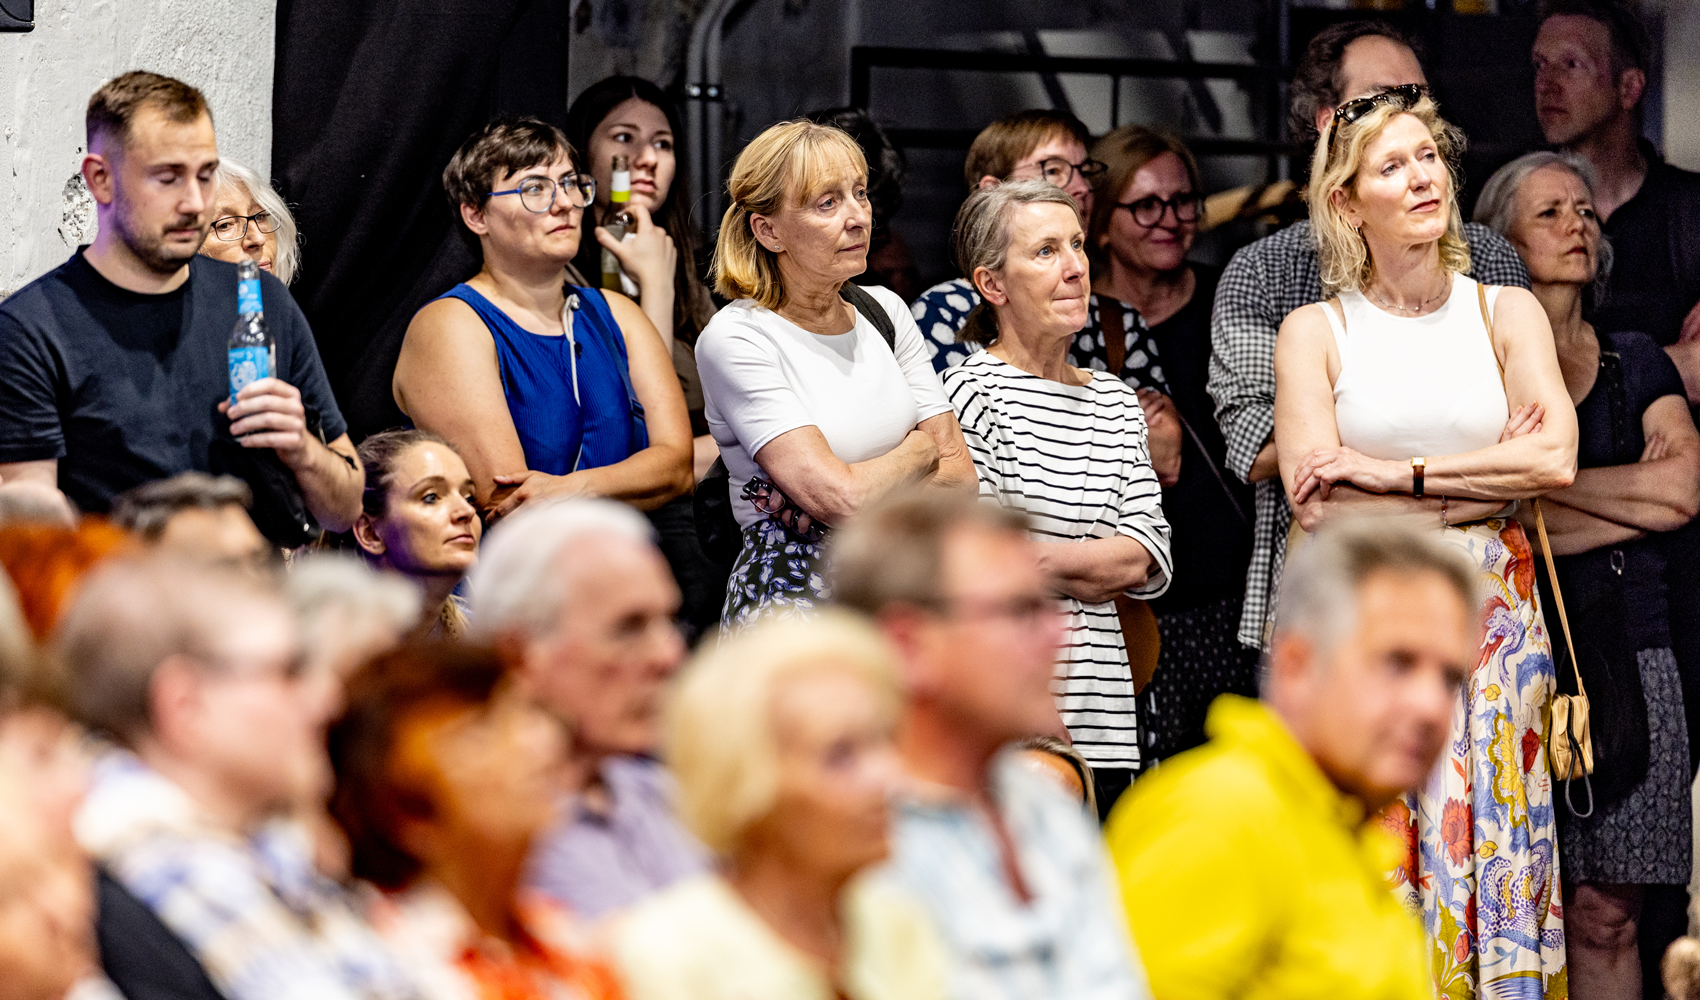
(252,350)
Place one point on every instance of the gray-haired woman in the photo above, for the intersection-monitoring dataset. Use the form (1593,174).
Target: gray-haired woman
(250,220)
(1067,446)
(1639,458)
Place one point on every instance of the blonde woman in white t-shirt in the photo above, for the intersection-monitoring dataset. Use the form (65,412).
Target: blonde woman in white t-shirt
(1413,393)
(814,413)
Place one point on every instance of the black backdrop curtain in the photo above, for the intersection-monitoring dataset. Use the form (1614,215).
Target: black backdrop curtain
(370,99)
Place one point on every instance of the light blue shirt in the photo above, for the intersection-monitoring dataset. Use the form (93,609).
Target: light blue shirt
(1069,942)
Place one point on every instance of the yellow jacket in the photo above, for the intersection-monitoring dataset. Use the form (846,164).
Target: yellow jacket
(1245,873)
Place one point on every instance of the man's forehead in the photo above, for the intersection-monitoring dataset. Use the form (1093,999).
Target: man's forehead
(1374,63)
(1574,32)
(155,138)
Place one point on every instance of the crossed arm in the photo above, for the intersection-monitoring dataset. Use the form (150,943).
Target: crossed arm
(1536,453)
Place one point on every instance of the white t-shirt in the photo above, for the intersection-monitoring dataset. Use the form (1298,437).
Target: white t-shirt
(763,375)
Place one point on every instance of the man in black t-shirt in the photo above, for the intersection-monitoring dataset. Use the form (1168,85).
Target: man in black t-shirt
(1591,59)
(113,367)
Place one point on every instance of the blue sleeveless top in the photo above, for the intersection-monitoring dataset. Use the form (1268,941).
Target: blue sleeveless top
(560,431)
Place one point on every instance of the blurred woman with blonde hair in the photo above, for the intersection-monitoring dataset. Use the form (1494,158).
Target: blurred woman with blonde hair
(820,393)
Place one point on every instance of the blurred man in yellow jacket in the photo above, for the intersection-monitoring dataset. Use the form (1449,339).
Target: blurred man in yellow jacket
(1252,867)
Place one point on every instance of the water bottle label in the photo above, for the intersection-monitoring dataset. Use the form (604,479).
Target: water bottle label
(248,365)
(248,297)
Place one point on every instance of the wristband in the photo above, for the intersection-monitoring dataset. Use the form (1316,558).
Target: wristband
(1417,475)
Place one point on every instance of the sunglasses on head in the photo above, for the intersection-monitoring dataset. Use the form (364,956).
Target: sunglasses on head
(1403,97)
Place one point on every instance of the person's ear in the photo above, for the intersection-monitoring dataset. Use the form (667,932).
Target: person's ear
(1323,116)
(366,535)
(762,228)
(907,628)
(987,182)
(98,177)
(1292,666)
(474,218)
(990,286)
(174,700)
(1346,205)
(1631,84)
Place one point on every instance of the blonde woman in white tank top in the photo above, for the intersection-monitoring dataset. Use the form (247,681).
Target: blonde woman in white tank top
(1417,395)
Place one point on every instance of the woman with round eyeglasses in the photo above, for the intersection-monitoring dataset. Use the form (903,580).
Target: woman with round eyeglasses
(251,221)
(546,389)
(1141,230)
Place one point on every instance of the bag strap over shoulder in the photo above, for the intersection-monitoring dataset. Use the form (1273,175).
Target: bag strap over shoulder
(1540,519)
(871,310)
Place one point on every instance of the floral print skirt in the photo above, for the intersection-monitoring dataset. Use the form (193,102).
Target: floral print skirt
(1482,861)
(777,575)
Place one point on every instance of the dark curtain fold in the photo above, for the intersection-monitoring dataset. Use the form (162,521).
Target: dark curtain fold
(370,99)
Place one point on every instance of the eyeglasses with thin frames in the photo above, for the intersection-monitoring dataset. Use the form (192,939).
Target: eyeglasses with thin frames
(537,194)
(1150,210)
(235,227)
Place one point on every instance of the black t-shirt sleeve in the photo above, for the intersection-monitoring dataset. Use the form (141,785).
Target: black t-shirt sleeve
(302,367)
(1648,372)
(30,430)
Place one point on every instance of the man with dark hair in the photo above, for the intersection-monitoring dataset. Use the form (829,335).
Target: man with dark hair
(197,516)
(1591,61)
(1270,278)
(114,366)
(1010,868)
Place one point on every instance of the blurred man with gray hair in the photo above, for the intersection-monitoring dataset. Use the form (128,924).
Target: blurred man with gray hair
(579,599)
(1254,863)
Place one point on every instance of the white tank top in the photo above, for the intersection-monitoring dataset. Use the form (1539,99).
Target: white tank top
(1423,385)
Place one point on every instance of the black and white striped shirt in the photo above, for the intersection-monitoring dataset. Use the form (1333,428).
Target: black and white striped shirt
(1075,459)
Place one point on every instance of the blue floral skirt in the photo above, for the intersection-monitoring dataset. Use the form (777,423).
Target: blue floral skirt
(777,575)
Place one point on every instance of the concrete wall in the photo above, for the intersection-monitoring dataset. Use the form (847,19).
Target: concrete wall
(224,47)
(1682,84)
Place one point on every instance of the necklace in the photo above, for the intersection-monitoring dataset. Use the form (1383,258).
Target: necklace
(1420,306)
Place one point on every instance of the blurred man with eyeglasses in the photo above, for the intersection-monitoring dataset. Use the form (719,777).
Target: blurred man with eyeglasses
(576,595)
(1277,274)
(1009,866)
(114,366)
(195,672)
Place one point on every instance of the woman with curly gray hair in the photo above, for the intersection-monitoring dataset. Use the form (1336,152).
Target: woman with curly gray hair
(1640,477)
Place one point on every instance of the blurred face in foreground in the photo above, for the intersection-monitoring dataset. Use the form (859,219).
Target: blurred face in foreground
(1375,711)
(604,667)
(836,768)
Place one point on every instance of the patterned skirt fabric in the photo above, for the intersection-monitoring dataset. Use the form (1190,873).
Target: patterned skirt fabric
(1647,837)
(776,575)
(1482,862)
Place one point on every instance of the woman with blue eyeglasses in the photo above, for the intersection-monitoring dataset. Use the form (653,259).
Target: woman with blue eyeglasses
(546,389)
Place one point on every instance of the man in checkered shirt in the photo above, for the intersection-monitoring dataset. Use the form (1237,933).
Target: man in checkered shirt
(1276,275)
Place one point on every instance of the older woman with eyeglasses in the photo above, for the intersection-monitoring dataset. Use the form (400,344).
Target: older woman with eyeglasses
(1417,394)
(545,389)
(251,221)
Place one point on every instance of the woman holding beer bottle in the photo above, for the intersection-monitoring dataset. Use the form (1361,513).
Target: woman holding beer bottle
(646,246)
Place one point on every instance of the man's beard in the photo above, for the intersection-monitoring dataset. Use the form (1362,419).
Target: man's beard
(149,244)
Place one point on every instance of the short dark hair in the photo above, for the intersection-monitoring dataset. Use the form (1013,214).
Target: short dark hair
(1631,48)
(113,108)
(1002,144)
(1316,81)
(506,144)
(147,508)
(367,802)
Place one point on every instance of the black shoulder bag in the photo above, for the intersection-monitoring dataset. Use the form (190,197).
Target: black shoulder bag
(717,528)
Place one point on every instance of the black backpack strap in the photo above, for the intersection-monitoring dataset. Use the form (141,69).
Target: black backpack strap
(870,307)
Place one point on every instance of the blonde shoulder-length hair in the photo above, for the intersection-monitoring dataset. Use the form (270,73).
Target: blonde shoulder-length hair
(1341,249)
(783,167)
(720,742)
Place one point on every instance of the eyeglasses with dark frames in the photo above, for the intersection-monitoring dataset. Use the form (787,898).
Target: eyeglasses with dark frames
(235,227)
(537,194)
(1405,96)
(1150,210)
(1059,171)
